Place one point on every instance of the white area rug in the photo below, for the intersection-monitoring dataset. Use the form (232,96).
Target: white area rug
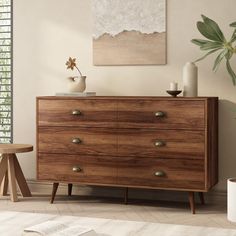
(13,223)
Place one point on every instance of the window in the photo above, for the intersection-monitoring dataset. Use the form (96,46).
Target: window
(5,71)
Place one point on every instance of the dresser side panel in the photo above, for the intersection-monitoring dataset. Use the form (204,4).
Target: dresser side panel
(212,142)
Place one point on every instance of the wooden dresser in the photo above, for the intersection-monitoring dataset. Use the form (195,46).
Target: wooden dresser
(132,142)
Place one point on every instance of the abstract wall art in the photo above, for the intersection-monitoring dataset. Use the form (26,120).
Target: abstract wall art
(129,32)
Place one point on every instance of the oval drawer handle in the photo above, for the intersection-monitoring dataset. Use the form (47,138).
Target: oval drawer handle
(76,112)
(160,114)
(160,173)
(159,143)
(76,140)
(77,169)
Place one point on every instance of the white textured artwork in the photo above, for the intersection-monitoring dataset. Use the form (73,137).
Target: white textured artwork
(129,32)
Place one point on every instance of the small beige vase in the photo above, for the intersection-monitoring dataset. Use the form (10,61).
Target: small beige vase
(77,84)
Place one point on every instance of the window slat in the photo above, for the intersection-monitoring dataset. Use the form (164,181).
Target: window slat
(5,71)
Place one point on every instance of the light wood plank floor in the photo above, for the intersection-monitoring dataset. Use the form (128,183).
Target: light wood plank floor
(212,214)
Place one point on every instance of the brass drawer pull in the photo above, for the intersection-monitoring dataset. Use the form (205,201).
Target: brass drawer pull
(76,140)
(160,114)
(160,143)
(160,173)
(76,169)
(76,112)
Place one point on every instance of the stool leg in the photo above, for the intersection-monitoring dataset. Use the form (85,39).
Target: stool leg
(3,167)
(4,186)
(12,178)
(21,178)
(70,189)
(54,191)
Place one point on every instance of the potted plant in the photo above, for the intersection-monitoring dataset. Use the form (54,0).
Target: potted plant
(216,42)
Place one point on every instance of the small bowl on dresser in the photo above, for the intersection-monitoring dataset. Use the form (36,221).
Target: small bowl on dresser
(174,93)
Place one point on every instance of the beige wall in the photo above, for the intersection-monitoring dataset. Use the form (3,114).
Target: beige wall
(46,32)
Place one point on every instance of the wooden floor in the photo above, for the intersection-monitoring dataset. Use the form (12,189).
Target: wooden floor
(212,214)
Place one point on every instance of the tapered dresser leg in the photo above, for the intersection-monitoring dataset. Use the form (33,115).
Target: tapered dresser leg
(69,189)
(191,202)
(201,196)
(126,195)
(54,191)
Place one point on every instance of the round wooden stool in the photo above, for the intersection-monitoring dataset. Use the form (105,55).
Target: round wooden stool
(10,170)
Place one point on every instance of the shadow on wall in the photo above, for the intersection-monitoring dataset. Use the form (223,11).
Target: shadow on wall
(227,140)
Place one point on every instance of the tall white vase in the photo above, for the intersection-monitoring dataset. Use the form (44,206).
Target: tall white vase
(190,80)
(77,84)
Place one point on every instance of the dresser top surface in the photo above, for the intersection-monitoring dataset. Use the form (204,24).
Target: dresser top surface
(124,98)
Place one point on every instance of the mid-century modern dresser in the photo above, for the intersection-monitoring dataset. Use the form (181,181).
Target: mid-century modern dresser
(131,142)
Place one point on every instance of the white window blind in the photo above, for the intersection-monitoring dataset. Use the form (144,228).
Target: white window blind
(6,71)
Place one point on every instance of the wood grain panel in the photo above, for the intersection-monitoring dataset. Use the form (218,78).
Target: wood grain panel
(182,174)
(94,141)
(94,113)
(179,114)
(118,136)
(53,167)
(183,144)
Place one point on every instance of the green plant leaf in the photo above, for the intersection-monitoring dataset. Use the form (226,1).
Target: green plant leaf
(229,54)
(212,45)
(216,41)
(219,59)
(214,28)
(231,72)
(207,32)
(233,24)
(207,54)
(200,42)
(233,37)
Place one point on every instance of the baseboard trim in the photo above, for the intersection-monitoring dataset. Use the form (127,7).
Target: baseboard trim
(117,192)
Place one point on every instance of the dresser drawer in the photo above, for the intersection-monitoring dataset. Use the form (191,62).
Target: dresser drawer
(165,114)
(77,112)
(68,140)
(185,144)
(159,173)
(71,168)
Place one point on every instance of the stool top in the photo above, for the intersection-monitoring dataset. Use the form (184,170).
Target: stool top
(15,148)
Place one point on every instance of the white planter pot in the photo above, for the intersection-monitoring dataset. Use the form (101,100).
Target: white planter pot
(231,199)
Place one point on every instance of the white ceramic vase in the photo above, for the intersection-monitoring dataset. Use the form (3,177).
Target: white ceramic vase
(77,84)
(190,80)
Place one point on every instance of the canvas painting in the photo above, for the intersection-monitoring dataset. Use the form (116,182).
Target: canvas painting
(129,32)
